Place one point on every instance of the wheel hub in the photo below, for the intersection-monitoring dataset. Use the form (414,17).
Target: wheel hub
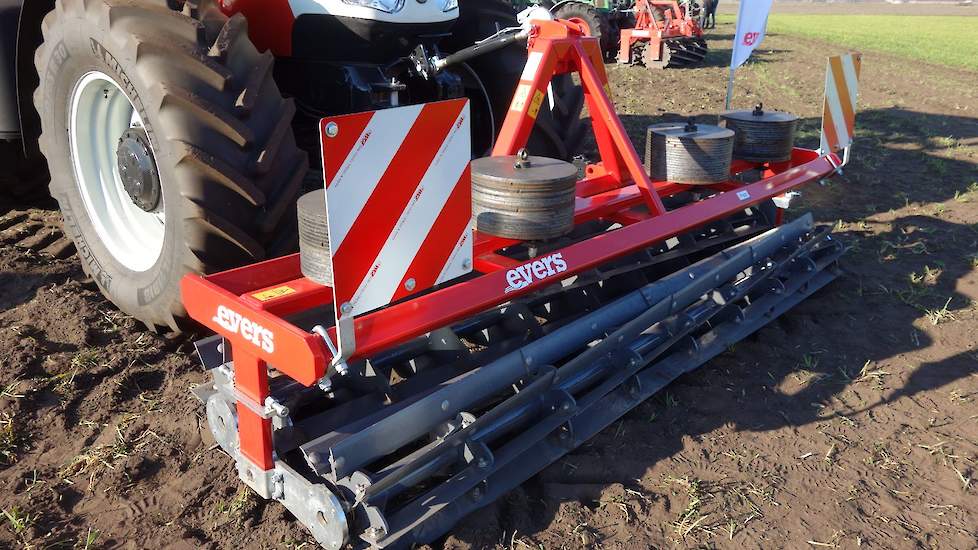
(114,168)
(137,169)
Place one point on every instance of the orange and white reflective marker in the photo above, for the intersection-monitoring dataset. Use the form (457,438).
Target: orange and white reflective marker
(839,110)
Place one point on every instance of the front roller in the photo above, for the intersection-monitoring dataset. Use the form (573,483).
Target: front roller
(516,388)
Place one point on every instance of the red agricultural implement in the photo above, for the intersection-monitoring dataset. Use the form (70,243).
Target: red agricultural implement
(664,35)
(654,33)
(383,425)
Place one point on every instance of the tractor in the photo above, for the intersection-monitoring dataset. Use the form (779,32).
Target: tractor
(179,133)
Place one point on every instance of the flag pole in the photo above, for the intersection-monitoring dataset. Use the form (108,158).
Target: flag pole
(730,83)
(730,79)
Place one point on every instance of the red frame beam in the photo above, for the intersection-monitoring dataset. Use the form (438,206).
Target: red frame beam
(303,356)
(557,47)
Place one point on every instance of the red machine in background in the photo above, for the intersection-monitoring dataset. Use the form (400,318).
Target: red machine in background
(665,35)
(654,33)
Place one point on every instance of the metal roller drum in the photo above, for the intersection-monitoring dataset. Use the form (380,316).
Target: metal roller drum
(314,237)
(761,136)
(688,153)
(523,197)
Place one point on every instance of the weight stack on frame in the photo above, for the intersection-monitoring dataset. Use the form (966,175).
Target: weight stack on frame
(314,259)
(695,154)
(523,197)
(761,136)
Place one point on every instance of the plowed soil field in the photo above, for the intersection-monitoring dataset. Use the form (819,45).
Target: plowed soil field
(851,421)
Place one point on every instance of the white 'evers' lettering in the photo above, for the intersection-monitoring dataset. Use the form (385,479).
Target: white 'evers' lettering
(537,270)
(249,330)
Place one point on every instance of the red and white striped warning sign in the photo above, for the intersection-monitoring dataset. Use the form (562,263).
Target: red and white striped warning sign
(839,111)
(398,201)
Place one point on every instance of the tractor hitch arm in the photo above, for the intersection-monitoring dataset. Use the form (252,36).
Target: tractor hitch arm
(428,66)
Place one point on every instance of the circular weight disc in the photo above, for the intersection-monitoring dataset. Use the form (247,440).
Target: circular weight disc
(702,132)
(314,255)
(766,116)
(534,201)
(694,157)
(541,170)
(762,138)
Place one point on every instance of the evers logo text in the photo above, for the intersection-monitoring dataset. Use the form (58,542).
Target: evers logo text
(248,329)
(537,270)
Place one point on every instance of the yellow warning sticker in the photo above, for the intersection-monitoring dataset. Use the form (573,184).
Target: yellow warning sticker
(535,104)
(273,293)
(519,100)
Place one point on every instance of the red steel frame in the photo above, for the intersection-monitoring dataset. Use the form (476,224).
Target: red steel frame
(618,189)
(676,25)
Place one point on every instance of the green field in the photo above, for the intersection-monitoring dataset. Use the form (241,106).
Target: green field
(944,40)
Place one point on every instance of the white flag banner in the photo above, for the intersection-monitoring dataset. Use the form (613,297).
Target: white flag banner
(751,22)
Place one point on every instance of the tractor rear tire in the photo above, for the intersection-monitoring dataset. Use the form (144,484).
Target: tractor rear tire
(594,22)
(205,112)
(559,131)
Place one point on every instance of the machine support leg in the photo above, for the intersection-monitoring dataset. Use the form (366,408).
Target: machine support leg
(255,432)
(602,107)
(625,46)
(523,111)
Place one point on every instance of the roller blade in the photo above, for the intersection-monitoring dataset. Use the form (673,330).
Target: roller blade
(559,407)
(485,404)
(677,53)
(696,48)
(682,53)
(415,438)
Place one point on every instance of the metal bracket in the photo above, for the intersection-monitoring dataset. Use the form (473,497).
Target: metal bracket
(347,341)
(477,453)
(312,503)
(784,201)
(338,364)
(835,165)
(213,352)
(261,481)
(223,384)
(270,409)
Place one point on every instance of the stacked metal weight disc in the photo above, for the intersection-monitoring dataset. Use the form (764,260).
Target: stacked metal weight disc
(761,136)
(314,237)
(688,153)
(523,197)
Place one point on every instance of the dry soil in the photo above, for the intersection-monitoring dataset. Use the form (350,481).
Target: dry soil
(851,421)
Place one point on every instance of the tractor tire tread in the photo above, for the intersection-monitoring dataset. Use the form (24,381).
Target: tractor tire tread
(559,132)
(599,25)
(238,161)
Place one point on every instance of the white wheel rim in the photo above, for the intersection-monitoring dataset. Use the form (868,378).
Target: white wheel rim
(100,113)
